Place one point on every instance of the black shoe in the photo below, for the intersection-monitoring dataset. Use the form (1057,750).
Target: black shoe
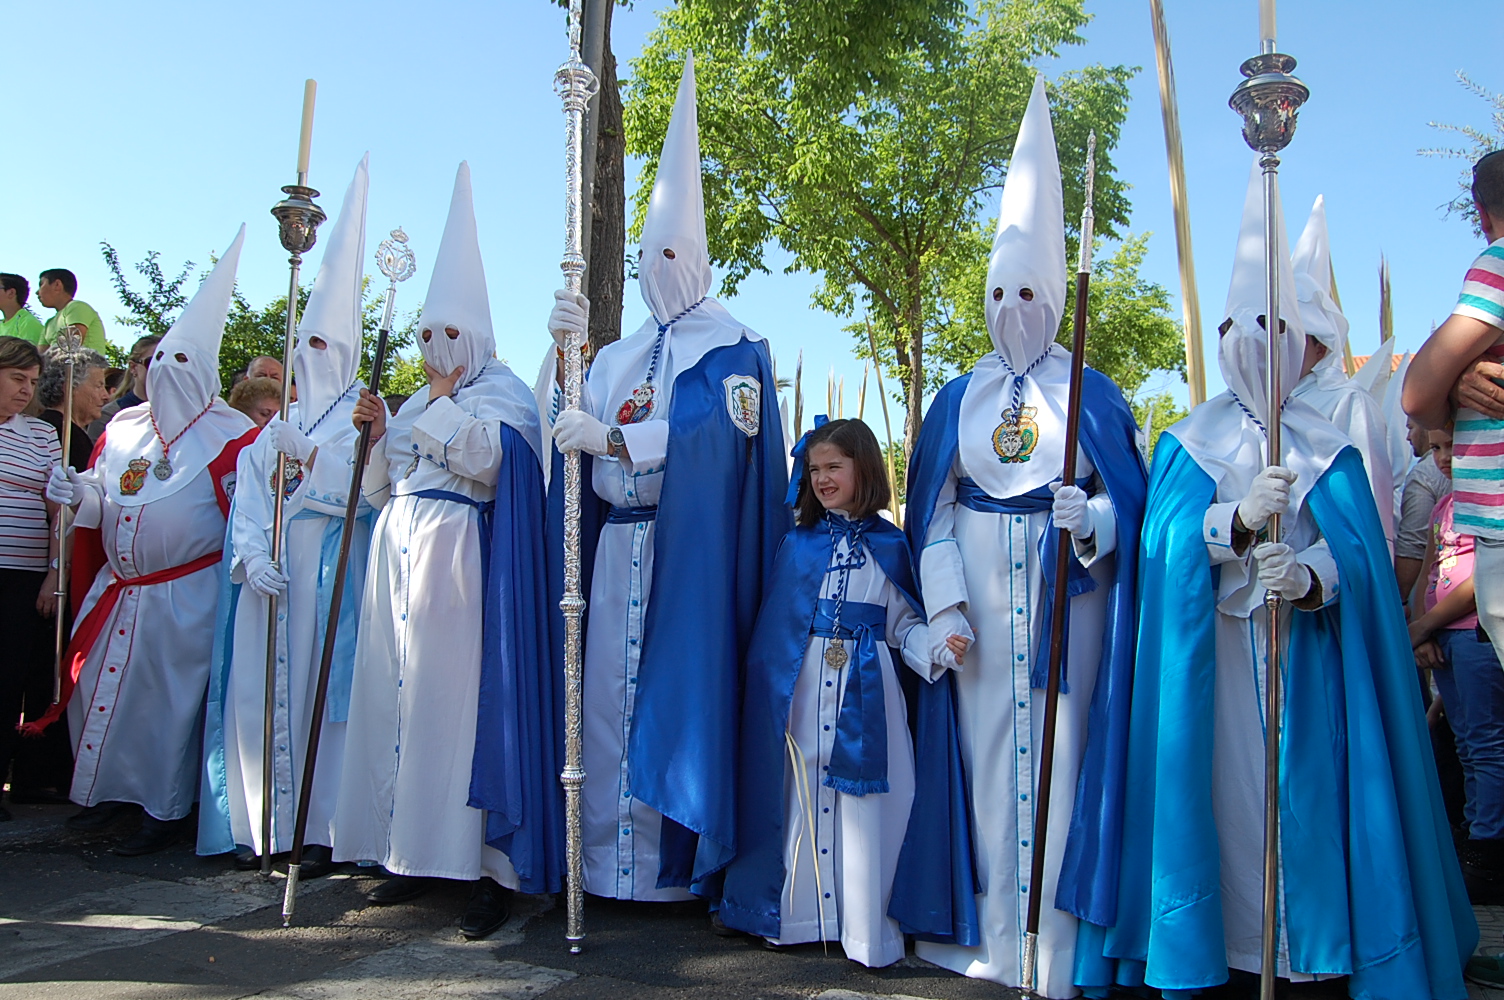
(247,860)
(155,835)
(398,889)
(719,929)
(317,862)
(5,816)
(92,818)
(490,905)
(1483,870)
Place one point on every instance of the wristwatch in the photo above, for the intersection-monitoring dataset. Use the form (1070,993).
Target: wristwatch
(616,440)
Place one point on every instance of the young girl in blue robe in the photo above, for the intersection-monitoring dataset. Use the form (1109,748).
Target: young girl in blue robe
(827,765)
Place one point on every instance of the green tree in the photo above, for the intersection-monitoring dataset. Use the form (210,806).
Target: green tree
(866,148)
(150,310)
(1479,142)
(1155,413)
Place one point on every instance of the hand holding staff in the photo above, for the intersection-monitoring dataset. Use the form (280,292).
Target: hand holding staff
(1062,572)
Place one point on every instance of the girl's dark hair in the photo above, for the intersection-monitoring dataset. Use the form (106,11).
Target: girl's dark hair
(857,442)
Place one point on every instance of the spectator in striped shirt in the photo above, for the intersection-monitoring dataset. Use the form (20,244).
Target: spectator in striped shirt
(28,550)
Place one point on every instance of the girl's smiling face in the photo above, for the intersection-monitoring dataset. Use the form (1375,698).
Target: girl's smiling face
(832,475)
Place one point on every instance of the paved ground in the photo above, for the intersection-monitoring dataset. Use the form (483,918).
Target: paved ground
(78,923)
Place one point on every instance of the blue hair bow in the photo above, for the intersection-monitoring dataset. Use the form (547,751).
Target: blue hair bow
(796,475)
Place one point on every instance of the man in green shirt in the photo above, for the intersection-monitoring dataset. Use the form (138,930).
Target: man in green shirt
(55,290)
(18,321)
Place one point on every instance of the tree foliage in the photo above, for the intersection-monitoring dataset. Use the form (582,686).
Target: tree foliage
(250,330)
(866,139)
(1479,141)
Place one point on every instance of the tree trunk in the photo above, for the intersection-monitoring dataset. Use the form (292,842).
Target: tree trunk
(605,273)
(912,328)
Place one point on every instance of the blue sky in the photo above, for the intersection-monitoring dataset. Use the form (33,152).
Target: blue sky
(162,126)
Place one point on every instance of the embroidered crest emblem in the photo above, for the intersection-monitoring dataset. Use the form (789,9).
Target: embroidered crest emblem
(227,483)
(292,477)
(134,476)
(1016,436)
(744,403)
(639,407)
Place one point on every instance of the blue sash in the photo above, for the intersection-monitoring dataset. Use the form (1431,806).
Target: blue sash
(631,515)
(1079,581)
(859,758)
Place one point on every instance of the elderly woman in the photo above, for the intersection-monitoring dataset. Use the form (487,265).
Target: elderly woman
(28,550)
(90,394)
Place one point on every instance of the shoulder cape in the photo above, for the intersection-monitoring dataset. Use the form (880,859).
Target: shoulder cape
(519,735)
(754,880)
(933,896)
(720,518)
(1371,879)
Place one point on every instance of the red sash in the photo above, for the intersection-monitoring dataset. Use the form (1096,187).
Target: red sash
(89,629)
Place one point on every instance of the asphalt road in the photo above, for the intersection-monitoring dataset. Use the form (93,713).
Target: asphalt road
(79,923)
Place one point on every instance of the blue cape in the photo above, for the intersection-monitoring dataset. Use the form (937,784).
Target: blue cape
(1372,886)
(754,880)
(519,734)
(934,894)
(214,830)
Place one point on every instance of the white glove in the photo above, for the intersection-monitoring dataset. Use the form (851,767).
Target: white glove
(64,486)
(1269,494)
(1070,511)
(287,439)
(944,625)
(571,314)
(578,430)
(1279,572)
(262,577)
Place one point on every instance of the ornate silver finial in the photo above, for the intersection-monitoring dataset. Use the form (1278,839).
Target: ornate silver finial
(298,218)
(68,347)
(1269,100)
(395,258)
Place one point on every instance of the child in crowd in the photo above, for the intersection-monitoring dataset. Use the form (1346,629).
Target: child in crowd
(827,766)
(1466,670)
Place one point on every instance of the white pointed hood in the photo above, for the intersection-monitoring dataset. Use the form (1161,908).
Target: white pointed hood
(1028,252)
(1028,249)
(1319,313)
(1221,434)
(183,384)
(675,222)
(333,312)
(457,297)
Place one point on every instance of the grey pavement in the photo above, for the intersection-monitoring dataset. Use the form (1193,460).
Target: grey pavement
(79,923)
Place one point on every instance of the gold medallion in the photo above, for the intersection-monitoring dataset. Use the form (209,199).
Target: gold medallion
(1015,438)
(134,476)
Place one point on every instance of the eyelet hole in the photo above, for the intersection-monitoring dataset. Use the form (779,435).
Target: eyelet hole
(668,252)
(427,336)
(451,333)
(1027,294)
(997,295)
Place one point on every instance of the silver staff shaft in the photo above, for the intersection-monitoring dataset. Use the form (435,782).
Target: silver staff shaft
(299,220)
(575,84)
(69,344)
(1269,100)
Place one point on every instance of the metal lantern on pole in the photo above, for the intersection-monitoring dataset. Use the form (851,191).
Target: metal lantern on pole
(1269,100)
(575,84)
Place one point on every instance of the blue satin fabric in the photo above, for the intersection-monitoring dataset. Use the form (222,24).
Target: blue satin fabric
(631,515)
(214,831)
(519,735)
(859,758)
(1372,886)
(790,614)
(934,894)
(796,473)
(720,519)
(342,667)
(1078,580)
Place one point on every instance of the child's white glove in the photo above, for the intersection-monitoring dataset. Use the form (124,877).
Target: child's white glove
(571,314)
(1279,572)
(576,430)
(1070,511)
(1269,494)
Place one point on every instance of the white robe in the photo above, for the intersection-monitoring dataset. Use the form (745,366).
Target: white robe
(853,840)
(318,505)
(1354,412)
(989,563)
(1242,624)
(410,740)
(136,715)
